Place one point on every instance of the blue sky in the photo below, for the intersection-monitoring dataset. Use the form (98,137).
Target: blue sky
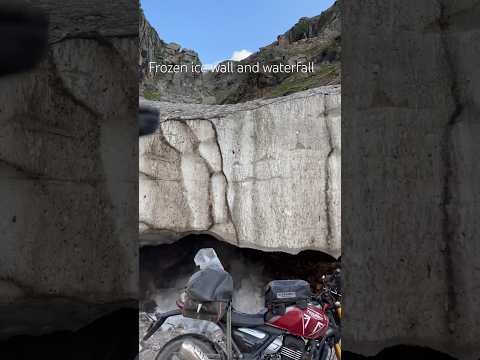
(217,28)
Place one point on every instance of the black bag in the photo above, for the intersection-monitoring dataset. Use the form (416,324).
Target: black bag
(210,285)
(282,293)
(207,295)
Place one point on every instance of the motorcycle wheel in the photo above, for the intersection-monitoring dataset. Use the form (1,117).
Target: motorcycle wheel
(188,347)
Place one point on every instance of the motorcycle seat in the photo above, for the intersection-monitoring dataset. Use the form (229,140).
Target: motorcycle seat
(248,320)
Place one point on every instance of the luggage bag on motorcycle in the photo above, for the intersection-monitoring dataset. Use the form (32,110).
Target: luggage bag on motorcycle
(207,295)
(282,293)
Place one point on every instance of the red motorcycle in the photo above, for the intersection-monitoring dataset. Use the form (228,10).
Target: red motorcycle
(295,324)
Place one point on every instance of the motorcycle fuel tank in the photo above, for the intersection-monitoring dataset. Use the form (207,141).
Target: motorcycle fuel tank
(310,323)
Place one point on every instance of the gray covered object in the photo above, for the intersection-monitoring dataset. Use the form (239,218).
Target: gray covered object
(209,285)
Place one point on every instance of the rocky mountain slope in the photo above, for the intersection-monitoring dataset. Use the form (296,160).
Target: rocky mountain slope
(180,87)
(315,40)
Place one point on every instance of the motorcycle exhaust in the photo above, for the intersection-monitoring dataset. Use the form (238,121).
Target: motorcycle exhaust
(159,322)
(188,351)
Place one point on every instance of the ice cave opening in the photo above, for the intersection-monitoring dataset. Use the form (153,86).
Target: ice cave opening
(165,269)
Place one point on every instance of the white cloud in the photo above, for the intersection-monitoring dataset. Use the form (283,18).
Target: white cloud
(240,55)
(210,66)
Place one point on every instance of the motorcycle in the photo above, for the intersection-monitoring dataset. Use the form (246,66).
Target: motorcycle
(294,325)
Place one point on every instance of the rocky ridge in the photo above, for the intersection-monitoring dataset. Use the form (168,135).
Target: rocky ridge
(315,40)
